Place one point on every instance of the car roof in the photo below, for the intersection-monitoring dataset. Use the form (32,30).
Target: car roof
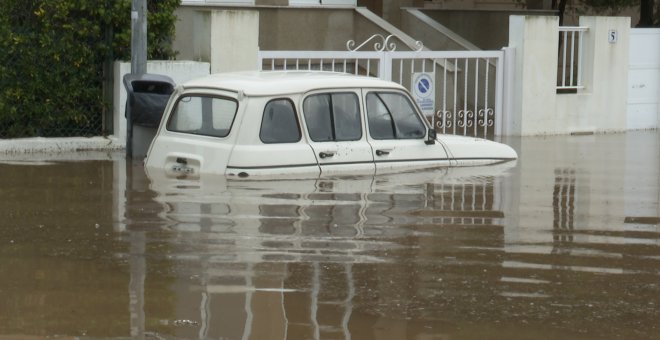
(264,83)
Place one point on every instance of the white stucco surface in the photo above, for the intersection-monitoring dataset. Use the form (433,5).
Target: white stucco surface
(232,39)
(644,79)
(601,105)
(537,108)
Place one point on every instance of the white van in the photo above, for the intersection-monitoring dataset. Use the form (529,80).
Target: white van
(303,123)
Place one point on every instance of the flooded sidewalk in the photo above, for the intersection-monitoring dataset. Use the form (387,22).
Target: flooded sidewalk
(563,243)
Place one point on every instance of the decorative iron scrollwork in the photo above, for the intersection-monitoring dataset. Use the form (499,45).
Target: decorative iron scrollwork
(486,117)
(381,44)
(465,118)
(444,119)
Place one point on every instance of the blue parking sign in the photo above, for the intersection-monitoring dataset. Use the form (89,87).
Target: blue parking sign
(423,90)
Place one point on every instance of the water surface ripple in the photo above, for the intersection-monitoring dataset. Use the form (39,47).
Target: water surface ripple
(563,243)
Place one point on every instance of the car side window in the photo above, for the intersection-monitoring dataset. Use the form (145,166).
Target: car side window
(203,115)
(333,117)
(391,115)
(279,123)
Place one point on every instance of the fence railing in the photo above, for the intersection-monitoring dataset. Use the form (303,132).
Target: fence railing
(359,63)
(569,72)
(468,88)
(467,85)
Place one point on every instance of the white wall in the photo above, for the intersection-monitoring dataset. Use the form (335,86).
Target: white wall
(644,79)
(228,39)
(600,106)
(179,71)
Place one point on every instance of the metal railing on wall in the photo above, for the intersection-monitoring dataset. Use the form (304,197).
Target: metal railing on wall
(467,85)
(569,71)
(468,88)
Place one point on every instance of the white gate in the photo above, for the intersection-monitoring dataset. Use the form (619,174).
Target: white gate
(644,79)
(460,92)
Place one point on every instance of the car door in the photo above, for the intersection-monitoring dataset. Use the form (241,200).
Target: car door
(398,134)
(337,133)
(271,141)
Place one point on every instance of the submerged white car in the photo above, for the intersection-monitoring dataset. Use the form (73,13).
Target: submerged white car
(303,123)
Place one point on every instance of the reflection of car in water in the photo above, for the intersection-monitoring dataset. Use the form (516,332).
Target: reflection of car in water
(209,188)
(303,123)
(335,212)
(295,258)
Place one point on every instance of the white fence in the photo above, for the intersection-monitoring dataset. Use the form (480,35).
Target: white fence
(459,91)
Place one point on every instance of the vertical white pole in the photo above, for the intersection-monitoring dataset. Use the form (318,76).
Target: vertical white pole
(572,57)
(563,64)
(486,98)
(444,96)
(455,91)
(139,37)
(499,89)
(476,93)
(435,95)
(579,80)
(386,66)
(465,95)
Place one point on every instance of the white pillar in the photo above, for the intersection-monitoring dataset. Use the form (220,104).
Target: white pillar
(228,39)
(506,116)
(535,39)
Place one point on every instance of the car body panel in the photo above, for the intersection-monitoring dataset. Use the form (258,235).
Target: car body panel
(256,145)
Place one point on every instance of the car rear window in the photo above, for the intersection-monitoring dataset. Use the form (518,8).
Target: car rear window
(279,123)
(203,115)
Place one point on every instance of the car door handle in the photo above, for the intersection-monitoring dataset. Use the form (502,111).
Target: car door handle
(326,154)
(382,152)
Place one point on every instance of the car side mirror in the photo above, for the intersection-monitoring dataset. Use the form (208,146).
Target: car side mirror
(431,136)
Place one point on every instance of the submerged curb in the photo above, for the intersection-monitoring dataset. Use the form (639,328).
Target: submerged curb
(58,145)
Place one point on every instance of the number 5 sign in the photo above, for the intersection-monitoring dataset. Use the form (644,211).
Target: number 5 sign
(612,36)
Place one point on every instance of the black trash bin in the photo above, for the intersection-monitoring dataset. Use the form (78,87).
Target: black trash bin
(147,96)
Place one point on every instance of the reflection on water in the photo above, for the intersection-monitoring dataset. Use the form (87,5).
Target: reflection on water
(565,243)
(304,259)
(563,206)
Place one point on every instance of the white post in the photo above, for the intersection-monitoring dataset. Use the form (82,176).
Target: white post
(505,119)
(534,94)
(499,88)
(385,66)
(231,39)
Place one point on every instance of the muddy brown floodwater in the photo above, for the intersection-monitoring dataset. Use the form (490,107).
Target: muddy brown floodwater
(564,243)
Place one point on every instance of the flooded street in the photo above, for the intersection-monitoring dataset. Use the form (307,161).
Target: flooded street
(563,243)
